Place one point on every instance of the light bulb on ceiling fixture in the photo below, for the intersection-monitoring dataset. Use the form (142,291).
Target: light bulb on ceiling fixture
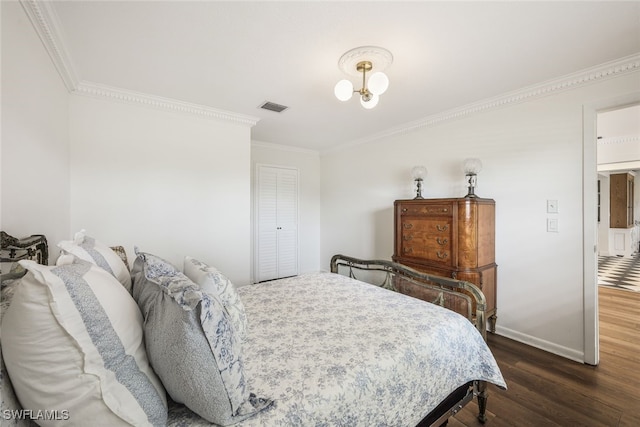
(369,100)
(344,90)
(378,83)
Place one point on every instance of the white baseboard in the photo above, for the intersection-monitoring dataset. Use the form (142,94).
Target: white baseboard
(550,347)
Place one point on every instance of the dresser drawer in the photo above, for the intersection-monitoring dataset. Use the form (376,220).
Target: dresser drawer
(437,255)
(426,209)
(442,227)
(428,239)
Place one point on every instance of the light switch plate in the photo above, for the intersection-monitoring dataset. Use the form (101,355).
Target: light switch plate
(552,206)
(552,225)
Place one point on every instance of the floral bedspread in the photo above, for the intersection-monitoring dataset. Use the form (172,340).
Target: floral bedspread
(332,351)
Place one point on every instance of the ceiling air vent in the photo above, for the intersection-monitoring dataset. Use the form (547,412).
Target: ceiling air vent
(272,106)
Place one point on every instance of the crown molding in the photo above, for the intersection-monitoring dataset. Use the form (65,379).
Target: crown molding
(95,90)
(46,24)
(620,140)
(271,146)
(598,73)
(630,167)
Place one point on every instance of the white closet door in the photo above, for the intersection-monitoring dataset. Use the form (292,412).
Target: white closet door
(277,223)
(267,221)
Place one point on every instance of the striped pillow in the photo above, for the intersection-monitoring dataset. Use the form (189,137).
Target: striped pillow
(72,342)
(89,249)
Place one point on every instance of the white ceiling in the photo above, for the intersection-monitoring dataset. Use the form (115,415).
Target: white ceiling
(233,56)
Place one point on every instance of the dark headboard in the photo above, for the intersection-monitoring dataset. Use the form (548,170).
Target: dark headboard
(34,247)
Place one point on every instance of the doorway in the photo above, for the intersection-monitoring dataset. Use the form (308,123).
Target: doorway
(618,165)
(590,220)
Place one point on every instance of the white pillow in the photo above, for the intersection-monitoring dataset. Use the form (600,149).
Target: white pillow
(217,284)
(72,341)
(89,249)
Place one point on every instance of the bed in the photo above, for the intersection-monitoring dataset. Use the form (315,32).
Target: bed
(328,349)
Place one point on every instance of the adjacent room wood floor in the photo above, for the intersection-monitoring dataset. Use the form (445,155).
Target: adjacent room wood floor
(548,390)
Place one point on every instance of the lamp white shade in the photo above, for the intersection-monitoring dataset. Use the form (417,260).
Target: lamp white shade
(371,102)
(418,172)
(378,83)
(472,166)
(343,90)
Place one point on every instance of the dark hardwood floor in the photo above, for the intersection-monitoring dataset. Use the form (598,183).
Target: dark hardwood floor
(548,390)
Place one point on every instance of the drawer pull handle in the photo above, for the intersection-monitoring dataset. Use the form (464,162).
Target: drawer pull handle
(407,237)
(442,241)
(408,226)
(442,227)
(442,255)
(408,250)
(404,209)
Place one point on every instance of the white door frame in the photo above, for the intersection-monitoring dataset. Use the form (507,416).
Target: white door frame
(590,219)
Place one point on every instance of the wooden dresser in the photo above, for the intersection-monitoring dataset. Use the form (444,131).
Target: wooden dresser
(451,238)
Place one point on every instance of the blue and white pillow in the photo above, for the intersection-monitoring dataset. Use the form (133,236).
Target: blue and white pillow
(192,344)
(213,282)
(89,249)
(72,341)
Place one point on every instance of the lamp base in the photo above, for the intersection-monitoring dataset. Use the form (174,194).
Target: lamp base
(471,180)
(471,194)
(418,189)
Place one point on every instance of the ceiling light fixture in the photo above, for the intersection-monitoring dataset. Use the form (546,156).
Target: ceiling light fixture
(358,62)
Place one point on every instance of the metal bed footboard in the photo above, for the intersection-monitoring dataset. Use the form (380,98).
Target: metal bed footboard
(463,297)
(393,273)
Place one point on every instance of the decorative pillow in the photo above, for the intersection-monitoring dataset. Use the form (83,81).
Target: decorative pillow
(89,249)
(191,344)
(119,250)
(215,283)
(72,342)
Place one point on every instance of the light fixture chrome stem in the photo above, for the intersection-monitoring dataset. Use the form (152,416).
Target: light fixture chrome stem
(418,189)
(472,185)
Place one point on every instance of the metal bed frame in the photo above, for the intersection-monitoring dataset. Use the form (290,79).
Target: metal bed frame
(462,297)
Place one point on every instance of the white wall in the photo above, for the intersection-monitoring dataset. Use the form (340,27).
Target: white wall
(308,164)
(531,152)
(35,135)
(172,184)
